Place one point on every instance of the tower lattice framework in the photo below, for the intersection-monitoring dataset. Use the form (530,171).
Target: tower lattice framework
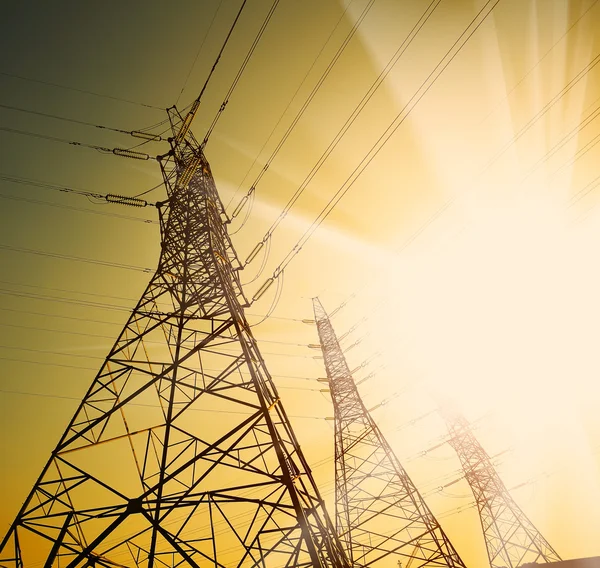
(511,538)
(180,453)
(379,511)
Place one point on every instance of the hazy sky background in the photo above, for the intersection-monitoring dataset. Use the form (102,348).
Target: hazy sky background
(471,239)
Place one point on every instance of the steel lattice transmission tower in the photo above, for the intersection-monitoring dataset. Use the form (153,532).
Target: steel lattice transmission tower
(180,453)
(379,511)
(511,538)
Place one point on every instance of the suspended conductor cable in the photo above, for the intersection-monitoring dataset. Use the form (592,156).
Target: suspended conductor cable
(135,133)
(196,104)
(473,26)
(263,264)
(14,76)
(342,131)
(199,51)
(240,72)
(149,190)
(283,114)
(307,102)
(274,303)
(75,258)
(541,59)
(563,141)
(133,201)
(545,109)
(122,152)
(252,197)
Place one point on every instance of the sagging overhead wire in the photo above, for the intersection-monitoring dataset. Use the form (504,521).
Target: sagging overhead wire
(454,50)
(244,200)
(87,92)
(75,258)
(346,126)
(185,82)
(133,201)
(240,72)
(583,73)
(284,113)
(263,265)
(147,136)
(79,209)
(567,164)
(122,152)
(539,61)
(274,303)
(573,133)
(189,118)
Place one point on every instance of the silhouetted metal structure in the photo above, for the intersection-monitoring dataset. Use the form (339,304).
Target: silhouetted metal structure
(379,511)
(511,538)
(180,453)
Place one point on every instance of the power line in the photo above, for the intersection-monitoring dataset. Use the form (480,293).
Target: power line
(346,126)
(100,336)
(283,114)
(382,140)
(306,104)
(122,152)
(135,133)
(196,103)
(543,111)
(439,212)
(87,92)
(104,306)
(45,395)
(187,77)
(573,133)
(240,72)
(80,209)
(68,189)
(75,258)
(96,357)
(559,40)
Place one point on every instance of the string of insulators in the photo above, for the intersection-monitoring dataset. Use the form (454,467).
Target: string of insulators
(135,133)
(314,346)
(146,136)
(309,321)
(266,285)
(425,452)
(125,200)
(254,251)
(353,345)
(124,153)
(241,205)
(453,482)
(369,376)
(353,328)
(342,305)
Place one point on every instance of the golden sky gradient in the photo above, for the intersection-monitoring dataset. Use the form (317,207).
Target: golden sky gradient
(470,240)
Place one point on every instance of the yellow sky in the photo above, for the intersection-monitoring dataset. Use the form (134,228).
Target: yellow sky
(493,301)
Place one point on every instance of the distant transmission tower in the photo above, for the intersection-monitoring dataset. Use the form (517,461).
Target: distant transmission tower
(180,453)
(510,537)
(379,512)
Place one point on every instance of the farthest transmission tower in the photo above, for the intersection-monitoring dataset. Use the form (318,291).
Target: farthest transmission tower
(180,453)
(379,511)
(511,538)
